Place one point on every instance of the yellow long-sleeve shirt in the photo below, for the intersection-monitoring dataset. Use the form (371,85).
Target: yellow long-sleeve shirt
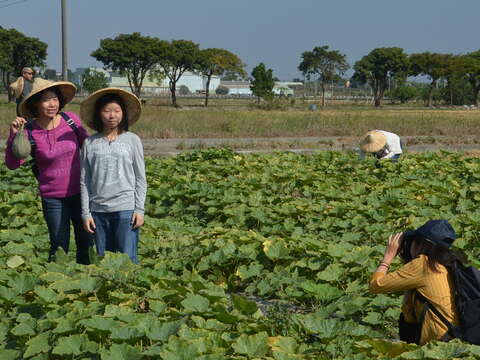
(437,287)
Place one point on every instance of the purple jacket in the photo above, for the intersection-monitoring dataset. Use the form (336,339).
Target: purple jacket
(58,158)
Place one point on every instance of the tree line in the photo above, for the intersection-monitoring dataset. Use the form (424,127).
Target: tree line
(135,56)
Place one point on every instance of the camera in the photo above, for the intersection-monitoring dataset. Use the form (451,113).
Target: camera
(405,246)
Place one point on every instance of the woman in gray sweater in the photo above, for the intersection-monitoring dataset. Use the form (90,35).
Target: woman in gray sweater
(113,183)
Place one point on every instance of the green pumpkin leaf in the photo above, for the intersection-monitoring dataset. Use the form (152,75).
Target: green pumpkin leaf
(252,345)
(70,345)
(195,303)
(37,344)
(121,352)
(15,261)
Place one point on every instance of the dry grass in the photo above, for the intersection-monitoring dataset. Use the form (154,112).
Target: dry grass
(238,118)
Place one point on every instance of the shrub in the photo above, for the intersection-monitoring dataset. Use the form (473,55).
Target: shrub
(222,90)
(184,90)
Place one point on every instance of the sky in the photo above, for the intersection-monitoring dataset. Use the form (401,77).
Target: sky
(275,32)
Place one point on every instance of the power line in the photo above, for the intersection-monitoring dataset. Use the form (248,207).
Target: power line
(14,3)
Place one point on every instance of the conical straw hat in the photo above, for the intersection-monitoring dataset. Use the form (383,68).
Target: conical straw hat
(132,105)
(373,141)
(17,87)
(67,89)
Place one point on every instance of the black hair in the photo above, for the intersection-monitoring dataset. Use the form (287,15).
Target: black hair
(32,103)
(97,123)
(437,254)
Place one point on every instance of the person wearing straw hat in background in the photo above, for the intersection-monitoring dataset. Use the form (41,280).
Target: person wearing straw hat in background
(56,138)
(21,87)
(382,144)
(113,182)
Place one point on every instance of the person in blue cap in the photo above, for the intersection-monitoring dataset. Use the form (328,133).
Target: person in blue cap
(427,256)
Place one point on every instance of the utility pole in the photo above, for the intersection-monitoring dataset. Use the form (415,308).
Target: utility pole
(64,41)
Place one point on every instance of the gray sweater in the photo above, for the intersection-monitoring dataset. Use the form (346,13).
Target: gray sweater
(113,175)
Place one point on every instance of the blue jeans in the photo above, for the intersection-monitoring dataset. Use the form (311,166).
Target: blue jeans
(114,232)
(58,213)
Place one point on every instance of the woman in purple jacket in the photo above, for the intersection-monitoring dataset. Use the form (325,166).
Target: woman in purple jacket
(57,138)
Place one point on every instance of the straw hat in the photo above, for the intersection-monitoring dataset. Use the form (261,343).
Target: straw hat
(132,105)
(16,87)
(66,88)
(373,141)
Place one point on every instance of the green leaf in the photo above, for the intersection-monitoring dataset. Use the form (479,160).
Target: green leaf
(243,305)
(195,303)
(70,345)
(47,295)
(322,292)
(7,294)
(391,349)
(117,262)
(121,352)
(15,261)
(178,349)
(125,333)
(246,272)
(332,272)
(37,344)
(8,354)
(26,326)
(373,318)
(252,345)
(161,332)
(97,322)
(275,249)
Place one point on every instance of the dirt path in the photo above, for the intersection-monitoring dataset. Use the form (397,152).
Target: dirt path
(162,147)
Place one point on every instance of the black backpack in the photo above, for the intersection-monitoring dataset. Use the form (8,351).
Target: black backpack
(467,302)
(28,127)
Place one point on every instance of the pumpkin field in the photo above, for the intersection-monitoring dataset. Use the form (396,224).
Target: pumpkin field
(241,257)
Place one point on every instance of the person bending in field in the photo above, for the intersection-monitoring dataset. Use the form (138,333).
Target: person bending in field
(427,257)
(113,185)
(381,144)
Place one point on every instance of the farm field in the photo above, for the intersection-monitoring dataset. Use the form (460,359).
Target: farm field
(226,120)
(242,257)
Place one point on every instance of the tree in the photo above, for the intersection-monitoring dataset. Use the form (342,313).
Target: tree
(403,93)
(327,65)
(262,83)
(432,65)
(219,62)
(18,51)
(178,56)
(132,55)
(457,83)
(378,67)
(472,70)
(50,74)
(93,80)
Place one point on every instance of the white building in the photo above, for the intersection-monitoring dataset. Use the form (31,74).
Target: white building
(193,81)
(237,87)
(243,87)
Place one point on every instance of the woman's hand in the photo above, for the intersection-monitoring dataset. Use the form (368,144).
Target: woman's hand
(89,225)
(137,220)
(15,125)
(394,242)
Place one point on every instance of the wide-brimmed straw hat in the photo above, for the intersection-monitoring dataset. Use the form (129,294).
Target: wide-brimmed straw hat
(373,141)
(66,88)
(16,87)
(132,105)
